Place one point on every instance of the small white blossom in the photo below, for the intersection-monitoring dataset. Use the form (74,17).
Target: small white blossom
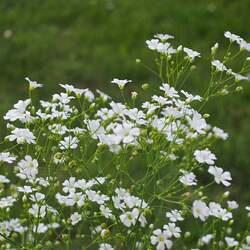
(231,242)
(7,157)
(69,142)
(22,135)
(174,215)
(75,218)
(188,179)
(161,239)
(220,176)
(33,84)
(205,156)
(200,210)
(121,83)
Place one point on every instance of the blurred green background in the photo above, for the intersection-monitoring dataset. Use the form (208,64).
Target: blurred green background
(89,42)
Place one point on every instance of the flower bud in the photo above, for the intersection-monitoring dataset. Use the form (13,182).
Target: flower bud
(192,68)
(239,88)
(187,234)
(226,194)
(145,86)
(180,47)
(105,233)
(137,60)
(134,95)
(214,49)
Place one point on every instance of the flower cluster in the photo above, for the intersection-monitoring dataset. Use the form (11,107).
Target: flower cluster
(83,171)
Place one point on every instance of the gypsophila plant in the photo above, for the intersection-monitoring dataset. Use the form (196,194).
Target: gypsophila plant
(81,171)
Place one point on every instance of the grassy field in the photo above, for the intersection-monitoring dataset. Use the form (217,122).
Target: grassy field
(89,42)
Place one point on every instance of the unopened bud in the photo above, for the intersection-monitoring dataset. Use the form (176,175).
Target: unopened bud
(214,49)
(145,86)
(134,95)
(137,60)
(105,233)
(239,88)
(187,234)
(192,68)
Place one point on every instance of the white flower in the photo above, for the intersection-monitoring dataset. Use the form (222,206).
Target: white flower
(38,211)
(7,157)
(75,218)
(121,83)
(165,48)
(219,212)
(191,53)
(174,215)
(19,112)
(205,156)
(25,189)
(232,204)
(206,239)
(231,242)
(190,97)
(89,95)
(95,128)
(33,84)
(28,168)
(69,142)
(172,230)
(58,129)
(96,197)
(67,87)
(104,96)
(232,37)
(127,132)
(7,201)
(163,37)
(62,98)
(4,179)
(169,91)
(218,132)
(198,123)
(69,185)
(244,45)
(220,176)
(152,44)
(106,212)
(105,246)
(200,210)
(37,197)
(42,228)
(22,135)
(129,218)
(188,179)
(219,65)
(161,239)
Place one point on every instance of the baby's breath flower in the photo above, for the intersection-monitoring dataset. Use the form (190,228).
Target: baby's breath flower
(121,83)
(220,176)
(33,84)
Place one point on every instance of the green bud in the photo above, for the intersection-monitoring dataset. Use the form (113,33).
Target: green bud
(134,95)
(239,88)
(145,86)
(137,60)
(187,234)
(192,68)
(105,233)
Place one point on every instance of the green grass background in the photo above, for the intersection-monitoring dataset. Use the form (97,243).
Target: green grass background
(89,42)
